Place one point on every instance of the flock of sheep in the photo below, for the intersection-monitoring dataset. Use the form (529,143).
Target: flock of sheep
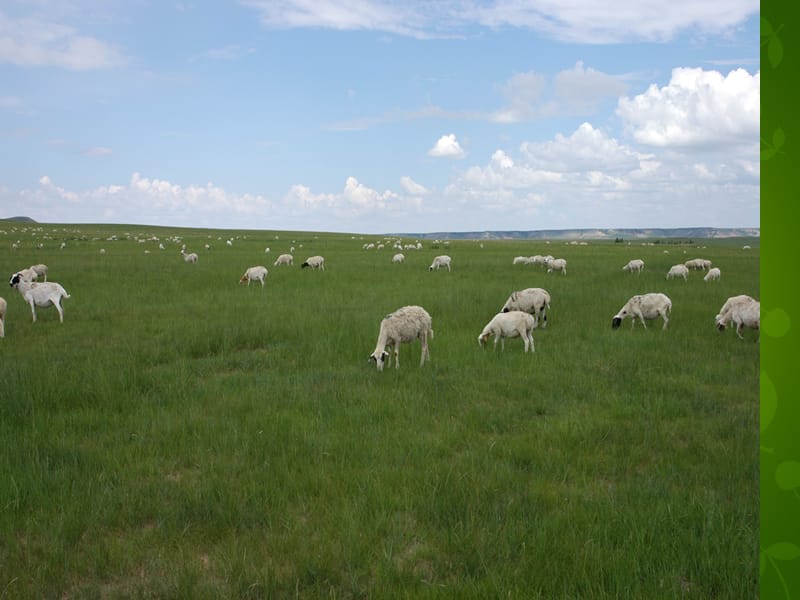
(524,309)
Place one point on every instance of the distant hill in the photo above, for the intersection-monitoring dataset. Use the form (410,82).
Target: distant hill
(19,219)
(595,234)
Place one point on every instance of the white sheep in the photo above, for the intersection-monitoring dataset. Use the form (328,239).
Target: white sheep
(698,263)
(534,301)
(515,323)
(315,262)
(713,274)
(402,326)
(3,306)
(743,314)
(190,258)
(521,260)
(40,294)
(557,264)
(398,258)
(40,270)
(258,273)
(729,305)
(634,266)
(284,259)
(27,274)
(678,271)
(440,261)
(644,306)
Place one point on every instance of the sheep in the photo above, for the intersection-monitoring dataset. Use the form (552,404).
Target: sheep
(521,260)
(190,258)
(557,264)
(644,306)
(729,305)
(698,263)
(40,294)
(515,323)
(744,314)
(40,270)
(713,274)
(678,271)
(534,301)
(258,273)
(440,261)
(3,306)
(284,259)
(27,274)
(315,262)
(635,265)
(403,325)
(398,258)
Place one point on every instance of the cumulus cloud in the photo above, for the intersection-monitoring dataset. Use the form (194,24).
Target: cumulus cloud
(355,199)
(579,21)
(581,88)
(412,187)
(31,41)
(447,146)
(697,108)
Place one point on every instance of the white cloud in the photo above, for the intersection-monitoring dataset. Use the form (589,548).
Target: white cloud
(447,146)
(581,88)
(696,109)
(580,21)
(354,200)
(412,187)
(36,42)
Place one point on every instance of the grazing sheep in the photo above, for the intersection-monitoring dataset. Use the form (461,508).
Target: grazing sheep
(534,301)
(398,258)
(284,259)
(678,271)
(645,306)
(698,263)
(402,326)
(521,260)
(440,261)
(729,305)
(190,258)
(515,323)
(315,262)
(713,274)
(634,266)
(258,273)
(557,264)
(40,294)
(40,270)
(744,314)
(3,306)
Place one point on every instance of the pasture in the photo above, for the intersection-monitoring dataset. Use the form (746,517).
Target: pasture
(184,436)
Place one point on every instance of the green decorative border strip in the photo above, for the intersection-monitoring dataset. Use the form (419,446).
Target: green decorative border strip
(780,412)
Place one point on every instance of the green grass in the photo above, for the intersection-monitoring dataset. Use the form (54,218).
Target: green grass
(182,436)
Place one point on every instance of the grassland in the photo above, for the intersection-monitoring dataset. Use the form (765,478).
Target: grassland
(182,436)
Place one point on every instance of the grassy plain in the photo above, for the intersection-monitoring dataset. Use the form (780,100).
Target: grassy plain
(182,436)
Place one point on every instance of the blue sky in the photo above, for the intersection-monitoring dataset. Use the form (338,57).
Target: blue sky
(372,116)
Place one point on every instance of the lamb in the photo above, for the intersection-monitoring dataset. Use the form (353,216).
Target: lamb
(190,258)
(40,270)
(534,301)
(258,273)
(403,325)
(557,264)
(744,314)
(515,323)
(398,258)
(645,306)
(713,274)
(3,306)
(315,262)
(440,261)
(678,271)
(284,259)
(40,294)
(635,265)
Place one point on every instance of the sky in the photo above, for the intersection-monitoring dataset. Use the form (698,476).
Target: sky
(377,116)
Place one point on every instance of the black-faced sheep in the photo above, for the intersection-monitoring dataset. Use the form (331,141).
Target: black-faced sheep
(315,262)
(40,294)
(402,326)
(644,306)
